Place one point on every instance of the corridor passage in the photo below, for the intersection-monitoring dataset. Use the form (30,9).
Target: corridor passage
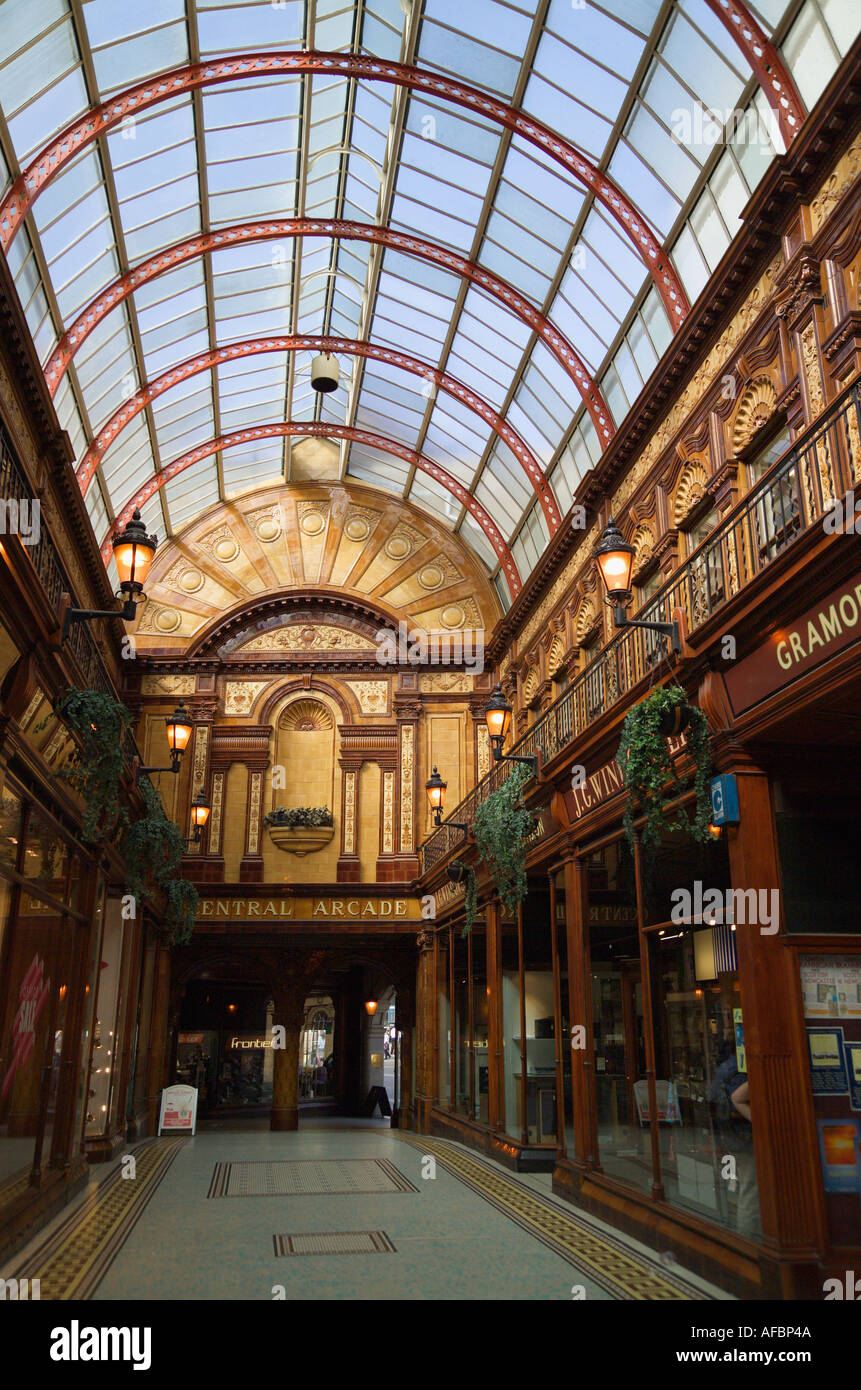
(244,1213)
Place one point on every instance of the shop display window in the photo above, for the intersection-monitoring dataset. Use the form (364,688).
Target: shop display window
(47,988)
(443,1020)
(460,962)
(480,1051)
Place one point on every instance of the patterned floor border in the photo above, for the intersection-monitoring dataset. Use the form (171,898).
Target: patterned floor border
(71,1262)
(610,1263)
(335,1243)
(306,1177)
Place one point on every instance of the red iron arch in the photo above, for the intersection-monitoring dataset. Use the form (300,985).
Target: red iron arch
(318,428)
(203,361)
(274,229)
(99,119)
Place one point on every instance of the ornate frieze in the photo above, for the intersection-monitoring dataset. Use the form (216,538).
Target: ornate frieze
(407,779)
(240,696)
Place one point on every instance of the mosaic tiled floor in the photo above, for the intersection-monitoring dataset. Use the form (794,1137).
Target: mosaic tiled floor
(308,1178)
(72,1260)
(335,1243)
(609,1262)
(476,1231)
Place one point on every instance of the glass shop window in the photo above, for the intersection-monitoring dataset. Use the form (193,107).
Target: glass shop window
(530,1056)
(444,1017)
(705,1111)
(480,1098)
(460,957)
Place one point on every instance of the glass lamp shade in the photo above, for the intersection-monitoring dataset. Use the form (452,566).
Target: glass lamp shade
(199,811)
(371,1006)
(179,727)
(436,789)
(497,712)
(615,559)
(133,552)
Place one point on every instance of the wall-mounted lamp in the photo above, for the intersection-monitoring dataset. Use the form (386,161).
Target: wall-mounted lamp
(133,553)
(371,1006)
(497,712)
(200,809)
(615,560)
(179,730)
(436,790)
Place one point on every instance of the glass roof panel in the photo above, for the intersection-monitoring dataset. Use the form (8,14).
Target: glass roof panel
(331,146)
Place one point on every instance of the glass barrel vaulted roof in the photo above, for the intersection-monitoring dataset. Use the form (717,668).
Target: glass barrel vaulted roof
(385,178)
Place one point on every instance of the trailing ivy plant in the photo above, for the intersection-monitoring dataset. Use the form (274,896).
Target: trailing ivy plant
(649,774)
(501,827)
(470,897)
(152,848)
(299,815)
(96,764)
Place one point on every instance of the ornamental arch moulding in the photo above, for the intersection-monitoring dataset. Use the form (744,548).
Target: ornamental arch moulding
(643,541)
(755,408)
(690,490)
(531,685)
(556,655)
(319,690)
(585,619)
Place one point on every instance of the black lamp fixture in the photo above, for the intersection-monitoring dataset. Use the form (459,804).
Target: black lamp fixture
(179,730)
(200,809)
(436,789)
(133,553)
(615,560)
(497,713)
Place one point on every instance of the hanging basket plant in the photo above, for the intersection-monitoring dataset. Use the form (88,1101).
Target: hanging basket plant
(649,774)
(152,848)
(501,827)
(96,765)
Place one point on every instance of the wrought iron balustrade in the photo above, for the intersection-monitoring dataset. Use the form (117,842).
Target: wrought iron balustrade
(794,495)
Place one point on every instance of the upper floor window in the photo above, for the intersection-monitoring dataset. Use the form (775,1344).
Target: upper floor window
(648,587)
(761,461)
(697,532)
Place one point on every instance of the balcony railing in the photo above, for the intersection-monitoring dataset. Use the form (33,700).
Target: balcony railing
(793,496)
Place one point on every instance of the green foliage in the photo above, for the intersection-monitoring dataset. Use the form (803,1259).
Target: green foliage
(152,848)
(96,764)
(470,897)
(501,827)
(299,815)
(650,778)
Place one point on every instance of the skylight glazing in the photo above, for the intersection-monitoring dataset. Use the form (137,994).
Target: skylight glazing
(617,79)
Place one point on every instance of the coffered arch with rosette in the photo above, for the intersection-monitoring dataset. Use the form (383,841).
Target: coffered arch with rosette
(336,542)
(494,188)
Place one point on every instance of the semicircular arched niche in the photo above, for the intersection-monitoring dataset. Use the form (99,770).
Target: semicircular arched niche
(755,408)
(304,772)
(690,490)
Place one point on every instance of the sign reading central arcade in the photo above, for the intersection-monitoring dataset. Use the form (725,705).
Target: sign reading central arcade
(323,909)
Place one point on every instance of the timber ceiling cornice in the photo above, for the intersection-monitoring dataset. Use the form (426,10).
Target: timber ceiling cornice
(792,178)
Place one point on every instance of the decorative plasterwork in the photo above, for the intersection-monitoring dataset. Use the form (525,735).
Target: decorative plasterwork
(755,408)
(350,811)
(215,814)
(239,696)
(321,637)
(167,685)
(690,490)
(373,696)
(556,655)
(407,765)
(388,812)
(306,716)
(643,541)
(445,682)
(254,799)
(531,684)
(584,620)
